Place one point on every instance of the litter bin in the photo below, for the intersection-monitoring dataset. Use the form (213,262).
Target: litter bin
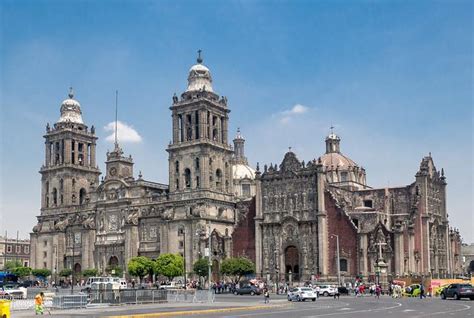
(5,308)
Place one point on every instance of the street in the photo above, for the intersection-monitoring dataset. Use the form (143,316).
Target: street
(227,305)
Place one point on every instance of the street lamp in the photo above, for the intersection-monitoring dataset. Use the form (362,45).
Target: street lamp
(183,232)
(338,261)
(207,252)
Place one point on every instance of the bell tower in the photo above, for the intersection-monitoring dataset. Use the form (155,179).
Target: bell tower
(199,154)
(70,160)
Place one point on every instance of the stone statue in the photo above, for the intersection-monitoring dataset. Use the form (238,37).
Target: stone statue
(89,223)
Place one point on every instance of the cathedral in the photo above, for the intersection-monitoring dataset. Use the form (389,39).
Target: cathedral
(298,221)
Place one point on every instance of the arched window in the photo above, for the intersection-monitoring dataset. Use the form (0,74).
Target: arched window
(176,166)
(61,185)
(196,163)
(187,178)
(214,134)
(343,265)
(73,183)
(55,196)
(218,178)
(46,194)
(82,196)
(198,182)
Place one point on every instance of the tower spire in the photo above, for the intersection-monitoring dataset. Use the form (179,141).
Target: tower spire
(71,92)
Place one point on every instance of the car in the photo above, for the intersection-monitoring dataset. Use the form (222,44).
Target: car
(412,290)
(14,291)
(327,290)
(248,290)
(458,291)
(437,290)
(29,283)
(301,294)
(343,290)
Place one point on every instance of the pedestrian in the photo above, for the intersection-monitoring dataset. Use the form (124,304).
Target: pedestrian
(266,296)
(422,291)
(39,300)
(336,293)
(378,290)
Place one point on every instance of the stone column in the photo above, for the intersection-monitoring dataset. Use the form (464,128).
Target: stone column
(202,124)
(399,253)
(86,154)
(364,269)
(225,130)
(67,151)
(175,128)
(92,161)
(47,153)
(323,237)
(411,250)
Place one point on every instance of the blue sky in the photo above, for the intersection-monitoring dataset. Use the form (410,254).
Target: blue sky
(394,77)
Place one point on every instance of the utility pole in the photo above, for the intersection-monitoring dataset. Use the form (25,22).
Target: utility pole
(184,254)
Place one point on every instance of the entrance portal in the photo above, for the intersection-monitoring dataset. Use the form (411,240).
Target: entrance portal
(77,273)
(215,271)
(113,261)
(292,262)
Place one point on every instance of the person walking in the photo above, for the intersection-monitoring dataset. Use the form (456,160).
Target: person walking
(336,293)
(378,290)
(266,296)
(422,291)
(39,300)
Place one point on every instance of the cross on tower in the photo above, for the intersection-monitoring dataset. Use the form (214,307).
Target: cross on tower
(332,129)
(380,249)
(199,59)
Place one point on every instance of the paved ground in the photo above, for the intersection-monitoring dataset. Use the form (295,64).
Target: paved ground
(230,306)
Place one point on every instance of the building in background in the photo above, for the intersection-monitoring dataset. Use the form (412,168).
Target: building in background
(12,249)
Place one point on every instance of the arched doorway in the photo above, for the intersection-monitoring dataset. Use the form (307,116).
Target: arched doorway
(77,273)
(113,261)
(292,262)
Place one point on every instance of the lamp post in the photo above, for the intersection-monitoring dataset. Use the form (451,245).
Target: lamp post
(209,251)
(183,229)
(338,260)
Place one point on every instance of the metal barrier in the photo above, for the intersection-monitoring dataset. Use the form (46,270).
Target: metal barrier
(70,301)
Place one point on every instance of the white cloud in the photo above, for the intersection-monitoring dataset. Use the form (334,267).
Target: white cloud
(125,133)
(296,110)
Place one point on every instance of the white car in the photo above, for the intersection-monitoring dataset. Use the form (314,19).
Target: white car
(301,294)
(14,292)
(327,290)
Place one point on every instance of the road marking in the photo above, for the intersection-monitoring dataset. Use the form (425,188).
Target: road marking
(196,312)
(345,309)
(407,310)
(466,307)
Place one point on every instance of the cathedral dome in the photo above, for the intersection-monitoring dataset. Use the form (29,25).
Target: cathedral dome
(71,110)
(337,160)
(242,171)
(199,78)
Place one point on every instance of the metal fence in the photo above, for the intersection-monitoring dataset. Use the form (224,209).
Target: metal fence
(116,297)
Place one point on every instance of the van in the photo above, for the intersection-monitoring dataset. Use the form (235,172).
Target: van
(103,282)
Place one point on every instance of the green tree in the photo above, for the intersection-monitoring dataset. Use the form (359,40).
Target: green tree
(21,271)
(41,273)
(237,267)
(90,272)
(201,267)
(9,265)
(140,266)
(115,271)
(169,265)
(66,272)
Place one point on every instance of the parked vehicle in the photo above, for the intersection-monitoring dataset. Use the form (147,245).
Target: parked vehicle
(301,294)
(343,290)
(104,282)
(29,283)
(248,290)
(458,291)
(413,290)
(14,291)
(327,290)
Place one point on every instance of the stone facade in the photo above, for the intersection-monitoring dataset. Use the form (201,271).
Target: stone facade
(85,223)
(302,209)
